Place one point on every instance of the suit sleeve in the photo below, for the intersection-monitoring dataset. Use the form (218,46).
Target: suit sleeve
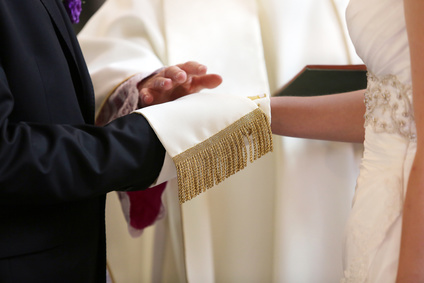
(48,163)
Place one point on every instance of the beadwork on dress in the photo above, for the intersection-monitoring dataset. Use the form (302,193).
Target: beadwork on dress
(388,105)
(389,110)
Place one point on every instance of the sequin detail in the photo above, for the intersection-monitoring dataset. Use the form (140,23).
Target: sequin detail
(388,105)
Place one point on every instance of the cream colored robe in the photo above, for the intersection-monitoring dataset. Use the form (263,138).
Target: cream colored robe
(282,218)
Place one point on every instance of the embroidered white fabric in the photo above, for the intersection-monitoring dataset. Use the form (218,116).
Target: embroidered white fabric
(193,119)
(389,106)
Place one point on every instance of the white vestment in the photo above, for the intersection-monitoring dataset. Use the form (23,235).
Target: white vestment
(282,218)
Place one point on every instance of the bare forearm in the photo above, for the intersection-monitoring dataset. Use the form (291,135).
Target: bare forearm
(411,260)
(337,117)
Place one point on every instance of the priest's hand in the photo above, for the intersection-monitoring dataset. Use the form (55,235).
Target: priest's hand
(174,82)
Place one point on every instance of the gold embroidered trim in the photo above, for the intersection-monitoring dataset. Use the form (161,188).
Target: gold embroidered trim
(212,161)
(106,100)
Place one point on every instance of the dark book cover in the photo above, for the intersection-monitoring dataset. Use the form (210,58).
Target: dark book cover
(325,79)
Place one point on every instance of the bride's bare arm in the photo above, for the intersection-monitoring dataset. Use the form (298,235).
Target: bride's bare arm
(411,261)
(336,117)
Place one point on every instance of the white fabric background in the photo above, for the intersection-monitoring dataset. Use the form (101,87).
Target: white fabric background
(282,218)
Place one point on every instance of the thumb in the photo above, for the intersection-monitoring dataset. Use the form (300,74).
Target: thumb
(207,81)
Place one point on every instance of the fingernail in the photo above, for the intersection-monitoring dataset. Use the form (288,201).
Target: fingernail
(160,84)
(179,75)
(201,68)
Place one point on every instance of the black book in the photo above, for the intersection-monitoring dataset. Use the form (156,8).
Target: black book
(325,79)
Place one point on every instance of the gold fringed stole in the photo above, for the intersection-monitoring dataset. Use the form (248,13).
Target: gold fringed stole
(222,155)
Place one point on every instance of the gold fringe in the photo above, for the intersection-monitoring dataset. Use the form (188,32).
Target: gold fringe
(222,155)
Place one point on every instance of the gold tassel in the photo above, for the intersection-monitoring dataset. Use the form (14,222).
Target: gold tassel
(222,155)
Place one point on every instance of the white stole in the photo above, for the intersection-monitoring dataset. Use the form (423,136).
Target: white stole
(225,36)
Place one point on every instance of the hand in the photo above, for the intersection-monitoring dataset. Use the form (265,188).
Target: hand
(174,82)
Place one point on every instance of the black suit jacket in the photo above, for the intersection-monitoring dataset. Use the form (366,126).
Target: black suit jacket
(55,166)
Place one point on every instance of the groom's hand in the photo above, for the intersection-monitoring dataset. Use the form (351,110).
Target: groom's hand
(174,82)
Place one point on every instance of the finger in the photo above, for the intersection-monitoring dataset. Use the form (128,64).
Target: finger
(193,68)
(145,98)
(148,99)
(206,81)
(161,84)
(176,74)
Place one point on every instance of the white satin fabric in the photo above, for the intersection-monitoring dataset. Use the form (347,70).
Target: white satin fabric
(373,232)
(374,226)
(281,220)
(378,31)
(192,116)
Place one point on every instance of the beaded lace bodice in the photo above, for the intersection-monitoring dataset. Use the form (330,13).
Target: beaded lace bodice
(377,29)
(389,106)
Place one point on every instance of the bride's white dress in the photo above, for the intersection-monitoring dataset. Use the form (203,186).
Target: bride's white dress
(377,29)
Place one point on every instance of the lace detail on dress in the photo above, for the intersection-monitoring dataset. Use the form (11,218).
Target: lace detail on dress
(365,237)
(388,105)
